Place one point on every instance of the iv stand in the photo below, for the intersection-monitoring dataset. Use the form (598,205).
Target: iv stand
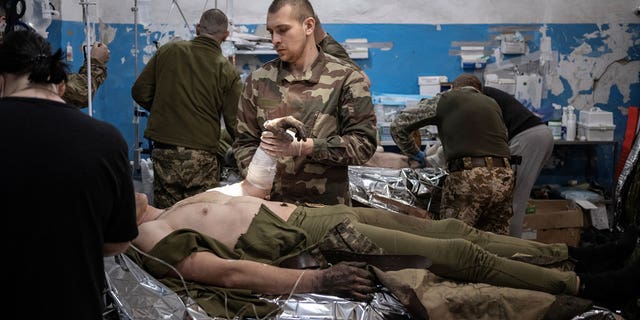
(87,52)
(136,109)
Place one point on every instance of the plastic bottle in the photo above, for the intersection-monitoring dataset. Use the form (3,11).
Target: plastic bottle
(69,52)
(565,117)
(555,124)
(571,125)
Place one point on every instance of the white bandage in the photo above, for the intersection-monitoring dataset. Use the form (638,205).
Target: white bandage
(262,170)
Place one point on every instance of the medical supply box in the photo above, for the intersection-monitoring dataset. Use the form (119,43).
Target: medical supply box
(553,221)
(596,125)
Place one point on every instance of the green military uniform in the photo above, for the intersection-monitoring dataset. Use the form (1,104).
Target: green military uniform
(470,127)
(189,88)
(77,83)
(333,100)
(457,251)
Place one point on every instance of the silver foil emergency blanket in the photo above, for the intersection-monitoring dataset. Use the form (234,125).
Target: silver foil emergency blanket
(136,295)
(371,186)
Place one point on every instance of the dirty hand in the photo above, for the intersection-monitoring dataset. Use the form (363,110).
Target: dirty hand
(100,52)
(279,126)
(347,279)
(280,145)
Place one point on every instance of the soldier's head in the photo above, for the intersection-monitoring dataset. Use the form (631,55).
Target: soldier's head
(213,23)
(467,80)
(291,24)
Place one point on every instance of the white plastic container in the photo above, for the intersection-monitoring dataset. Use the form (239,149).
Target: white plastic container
(596,132)
(595,117)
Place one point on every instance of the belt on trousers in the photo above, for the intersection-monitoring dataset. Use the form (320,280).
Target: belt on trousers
(386,262)
(160,145)
(468,163)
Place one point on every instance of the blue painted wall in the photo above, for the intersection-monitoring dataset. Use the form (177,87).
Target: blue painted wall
(418,50)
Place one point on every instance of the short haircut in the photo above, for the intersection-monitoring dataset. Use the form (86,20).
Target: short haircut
(213,21)
(301,8)
(467,80)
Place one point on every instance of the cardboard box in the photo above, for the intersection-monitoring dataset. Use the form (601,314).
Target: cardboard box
(554,221)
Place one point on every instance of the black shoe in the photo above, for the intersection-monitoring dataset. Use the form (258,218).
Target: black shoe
(617,285)
(613,252)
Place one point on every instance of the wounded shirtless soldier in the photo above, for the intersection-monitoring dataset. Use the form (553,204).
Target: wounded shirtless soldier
(217,240)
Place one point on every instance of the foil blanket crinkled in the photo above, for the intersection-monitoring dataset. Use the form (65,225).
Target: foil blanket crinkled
(136,295)
(411,187)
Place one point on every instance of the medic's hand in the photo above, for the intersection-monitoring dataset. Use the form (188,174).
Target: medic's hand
(421,158)
(279,126)
(347,279)
(280,145)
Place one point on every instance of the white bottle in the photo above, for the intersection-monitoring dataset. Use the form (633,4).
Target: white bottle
(571,125)
(69,52)
(565,117)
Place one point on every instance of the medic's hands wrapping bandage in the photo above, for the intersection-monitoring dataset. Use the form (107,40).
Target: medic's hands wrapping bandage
(280,126)
(420,157)
(278,137)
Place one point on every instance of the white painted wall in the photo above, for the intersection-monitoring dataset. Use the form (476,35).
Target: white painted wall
(372,11)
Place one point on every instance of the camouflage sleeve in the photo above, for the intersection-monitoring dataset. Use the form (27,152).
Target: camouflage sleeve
(230,103)
(357,141)
(144,88)
(411,119)
(76,88)
(247,129)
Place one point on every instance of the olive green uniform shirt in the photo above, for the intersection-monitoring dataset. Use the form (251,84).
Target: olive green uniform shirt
(188,86)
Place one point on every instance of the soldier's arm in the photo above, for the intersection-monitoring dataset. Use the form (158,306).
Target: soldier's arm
(76,92)
(230,102)
(144,88)
(343,279)
(357,141)
(247,130)
(411,119)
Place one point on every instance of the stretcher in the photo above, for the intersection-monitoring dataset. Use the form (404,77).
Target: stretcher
(134,294)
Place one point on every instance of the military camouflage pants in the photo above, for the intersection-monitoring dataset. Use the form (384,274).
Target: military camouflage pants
(481,197)
(180,173)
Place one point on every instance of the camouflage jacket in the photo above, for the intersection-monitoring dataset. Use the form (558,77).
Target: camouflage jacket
(411,119)
(334,102)
(469,124)
(76,91)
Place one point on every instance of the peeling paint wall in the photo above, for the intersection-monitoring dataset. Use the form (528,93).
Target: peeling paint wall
(586,52)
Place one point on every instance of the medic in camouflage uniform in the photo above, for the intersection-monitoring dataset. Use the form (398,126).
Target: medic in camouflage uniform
(328,95)
(77,83)
(478,189)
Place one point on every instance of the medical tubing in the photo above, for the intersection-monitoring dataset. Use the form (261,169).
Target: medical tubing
(262,170)
(184,283)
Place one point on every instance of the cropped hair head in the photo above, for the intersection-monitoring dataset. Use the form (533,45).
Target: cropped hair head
(27,52)
(213,21)
(301,8)
(467,80)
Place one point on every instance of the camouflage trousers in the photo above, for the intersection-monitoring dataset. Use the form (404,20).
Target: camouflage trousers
(481,197)
(181,172)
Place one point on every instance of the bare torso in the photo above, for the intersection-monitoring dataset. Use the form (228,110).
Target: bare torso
(216,215)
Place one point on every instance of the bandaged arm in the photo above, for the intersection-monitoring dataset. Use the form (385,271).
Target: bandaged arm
(259,180)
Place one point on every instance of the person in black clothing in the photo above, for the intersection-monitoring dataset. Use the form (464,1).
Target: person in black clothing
(67,178)
(530,139)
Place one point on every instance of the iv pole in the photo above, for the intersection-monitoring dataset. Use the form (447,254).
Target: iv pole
(87,49)
(136,109)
